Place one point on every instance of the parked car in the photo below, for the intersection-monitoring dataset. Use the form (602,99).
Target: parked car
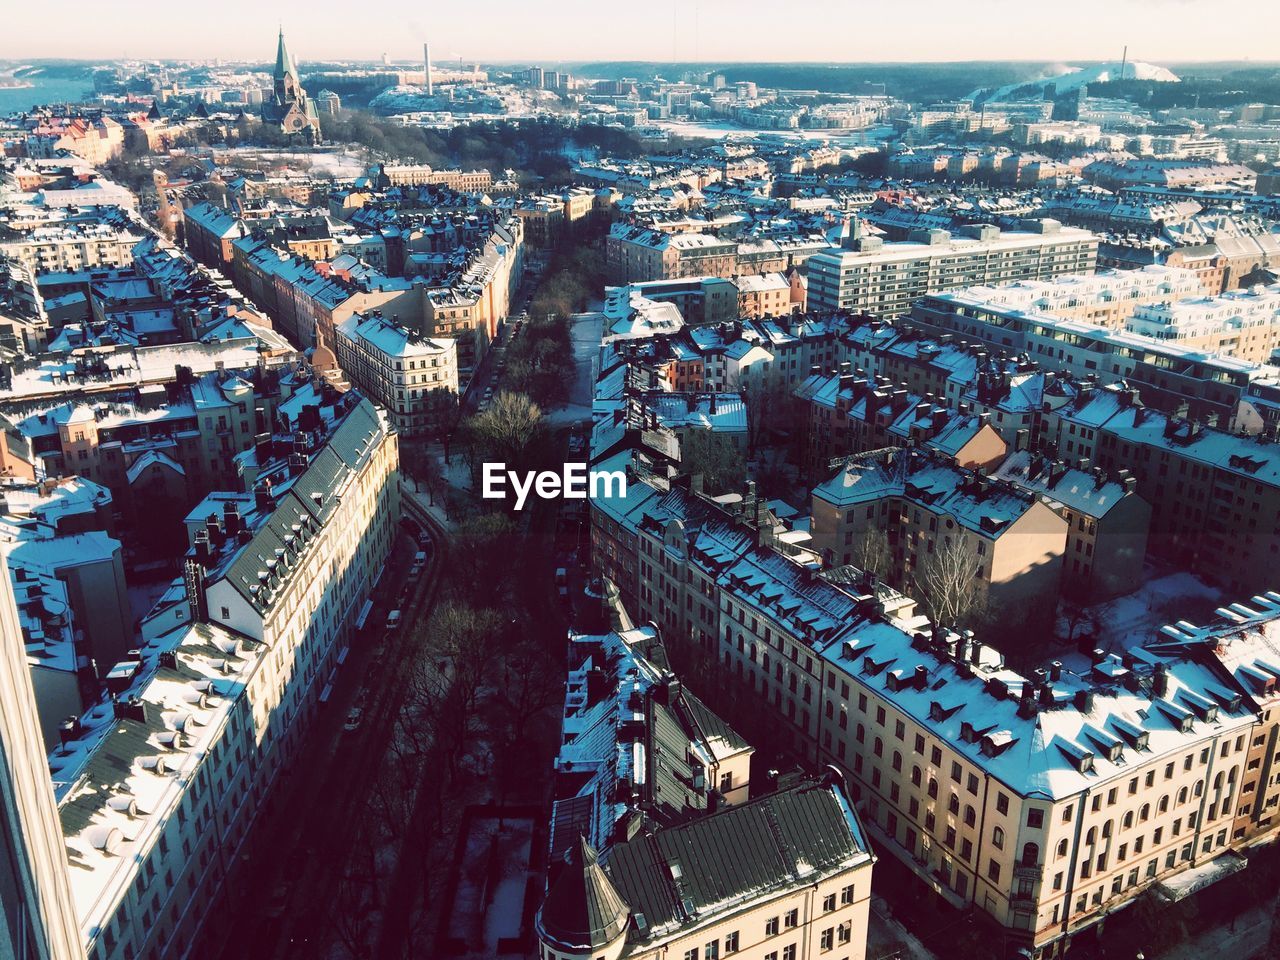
(393,620)
(354,716)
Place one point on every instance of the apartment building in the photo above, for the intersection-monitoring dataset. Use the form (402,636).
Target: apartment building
(637,254)
(415,378)
(39,919)
(1241,323)
(655,785)
(884,279)
(157,790)
(74,246)
(1108,523)
(1046,802)
(1106,298)
(421,174)
(1166,372)
(929,510)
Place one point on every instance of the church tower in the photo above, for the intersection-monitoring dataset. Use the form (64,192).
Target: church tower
(289,107)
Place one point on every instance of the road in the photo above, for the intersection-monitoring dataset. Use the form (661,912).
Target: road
(303,841)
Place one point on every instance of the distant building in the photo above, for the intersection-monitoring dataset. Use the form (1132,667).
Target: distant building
(869,276)
(289,107)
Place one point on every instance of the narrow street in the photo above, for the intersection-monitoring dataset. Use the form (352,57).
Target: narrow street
(303,844)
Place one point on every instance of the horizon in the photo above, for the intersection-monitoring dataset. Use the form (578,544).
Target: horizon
(697,31)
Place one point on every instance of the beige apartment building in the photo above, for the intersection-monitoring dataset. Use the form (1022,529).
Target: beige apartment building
(636,254)
(925,507)
(158,790)
(415,378)
(1244,324)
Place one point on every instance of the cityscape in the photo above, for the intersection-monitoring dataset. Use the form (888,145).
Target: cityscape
(639,490)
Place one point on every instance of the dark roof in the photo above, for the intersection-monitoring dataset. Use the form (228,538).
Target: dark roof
(583,910)
(781,840)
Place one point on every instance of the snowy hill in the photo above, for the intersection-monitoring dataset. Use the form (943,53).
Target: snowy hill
(1071,78)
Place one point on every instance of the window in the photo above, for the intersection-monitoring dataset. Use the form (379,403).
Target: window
(1002,803)
(792,918)
(692,954)
(827,940)
(771,927)
(789,952)
(731,942)
(828,903)
(993,871)
(997,838)
(846,895)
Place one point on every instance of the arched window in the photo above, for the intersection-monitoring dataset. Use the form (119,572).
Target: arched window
(897,760)
(878,747)
(1106,829)
(1091,837)
(1182,796)
(1163,805)
(1199,788)
(860,734)
(933,788)
(753,653)
(997,838)
(1030,855)
(953,805)
(915,776)
(829,710)
(1062,848)
(741,643)
(970,816)
(1217,781)
(1128,820)
(777,670)
(1144,813)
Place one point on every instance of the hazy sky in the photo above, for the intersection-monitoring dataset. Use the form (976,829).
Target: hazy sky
(744,30)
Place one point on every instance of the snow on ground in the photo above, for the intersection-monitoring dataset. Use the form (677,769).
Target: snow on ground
(1135,618)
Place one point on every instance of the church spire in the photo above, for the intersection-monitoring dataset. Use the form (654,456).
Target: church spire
(284,63)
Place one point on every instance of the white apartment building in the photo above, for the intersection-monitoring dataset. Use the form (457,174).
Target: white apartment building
(157,790)
(414,377)
(69,249)
(884,279)
(1239,323)
(1106,298)
(39,920)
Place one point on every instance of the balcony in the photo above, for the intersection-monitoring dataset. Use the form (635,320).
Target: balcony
(1029,871)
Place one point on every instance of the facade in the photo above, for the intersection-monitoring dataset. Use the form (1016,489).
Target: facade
(38,920)
(885,279)
(414,377)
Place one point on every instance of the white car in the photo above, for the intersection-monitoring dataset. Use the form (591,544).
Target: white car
(354,716)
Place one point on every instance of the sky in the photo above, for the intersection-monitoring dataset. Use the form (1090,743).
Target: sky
(686,30)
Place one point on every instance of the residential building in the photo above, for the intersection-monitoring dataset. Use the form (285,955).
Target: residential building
(655,783)
(929,511)
(158,789)
(39,920)
(884,279)
(415,378)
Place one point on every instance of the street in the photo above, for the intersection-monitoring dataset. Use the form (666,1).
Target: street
(302,845)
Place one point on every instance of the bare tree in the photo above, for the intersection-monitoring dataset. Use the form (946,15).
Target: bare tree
(715,457)
(948,584)
(872,553)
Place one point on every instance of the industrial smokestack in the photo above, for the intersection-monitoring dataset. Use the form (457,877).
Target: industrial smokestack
(426,65)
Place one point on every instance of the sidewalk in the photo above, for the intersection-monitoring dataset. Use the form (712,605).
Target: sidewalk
(1246,942)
